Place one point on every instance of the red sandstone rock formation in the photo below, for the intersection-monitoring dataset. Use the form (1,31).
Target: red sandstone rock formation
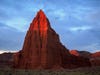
(95,59)
(79,61)
(42,48)
(96,54)
(85,54)
(6,60)
(74,52)
(80,58)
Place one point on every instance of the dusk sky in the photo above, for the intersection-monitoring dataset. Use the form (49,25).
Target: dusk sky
(76,21)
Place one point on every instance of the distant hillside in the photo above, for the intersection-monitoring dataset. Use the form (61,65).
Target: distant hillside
(6,60)
(94,57)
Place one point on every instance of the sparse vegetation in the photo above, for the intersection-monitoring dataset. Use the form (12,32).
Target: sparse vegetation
(78,71)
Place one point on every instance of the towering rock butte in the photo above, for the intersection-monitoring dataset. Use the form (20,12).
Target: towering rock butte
(42,48)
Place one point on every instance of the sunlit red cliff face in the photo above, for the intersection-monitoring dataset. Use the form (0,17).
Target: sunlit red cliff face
(42,49)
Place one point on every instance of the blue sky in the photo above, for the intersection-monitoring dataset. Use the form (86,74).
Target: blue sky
(76,21)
